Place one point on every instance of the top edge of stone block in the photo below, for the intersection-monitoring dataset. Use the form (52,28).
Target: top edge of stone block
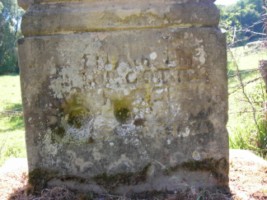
(49,17)
(178,1)
(26,3)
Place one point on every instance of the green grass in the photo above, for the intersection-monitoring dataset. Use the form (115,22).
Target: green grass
(12,138)
(247,121)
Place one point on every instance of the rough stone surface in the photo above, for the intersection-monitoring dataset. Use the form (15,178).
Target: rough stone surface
(25,3)
(125,110)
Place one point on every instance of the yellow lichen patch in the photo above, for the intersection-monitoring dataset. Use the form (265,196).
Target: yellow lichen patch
(122,109)
(148,92)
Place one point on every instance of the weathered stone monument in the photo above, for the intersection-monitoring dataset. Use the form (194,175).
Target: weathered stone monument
(124,96)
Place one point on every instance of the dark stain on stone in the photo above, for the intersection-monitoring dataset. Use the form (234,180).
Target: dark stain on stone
(90,140)
(21,41)
(205,127)
(58,133)
(131,178)
(39,177)
(203,114)
(218,168)
(73,178)
(139,122)
(202,124)
(122,114)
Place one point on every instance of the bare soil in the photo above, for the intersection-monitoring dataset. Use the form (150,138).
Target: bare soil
(248,175)
(248,181)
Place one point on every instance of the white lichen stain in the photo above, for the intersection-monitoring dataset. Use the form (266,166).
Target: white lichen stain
(123,161)
(53,70)
(47,147)
(109,67)
(126,130)
(51,120)
(96,154)
(140,68)
(77,163)
(153,56)
(188,35)
(160,91)
(186,133)
(132,77)
(102,36)
(133,141)
(166,21)
(105,123)
(160,164)
(81,133)
(67,79)
(200,55)
(175,158)
(194,16)
(124,14)
(123,69)
(151,171)
(198,41)
(126,92)
(172,64)
(196,155)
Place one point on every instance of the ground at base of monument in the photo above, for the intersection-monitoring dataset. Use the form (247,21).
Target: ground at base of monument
(248,180)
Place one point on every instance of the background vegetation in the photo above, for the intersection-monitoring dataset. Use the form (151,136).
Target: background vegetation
(243,22)
(247,123)
(244,26)
(10,17)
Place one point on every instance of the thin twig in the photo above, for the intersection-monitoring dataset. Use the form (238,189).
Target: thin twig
(243,90)
(244,84)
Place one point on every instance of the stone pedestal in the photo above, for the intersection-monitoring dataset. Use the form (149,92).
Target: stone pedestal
(125,97)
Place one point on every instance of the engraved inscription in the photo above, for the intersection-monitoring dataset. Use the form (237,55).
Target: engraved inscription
(101,72)
(124,75)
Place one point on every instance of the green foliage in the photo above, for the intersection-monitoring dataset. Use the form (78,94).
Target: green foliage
(242,21)
(261,138)
(247,123)
(10,17)
(1,7)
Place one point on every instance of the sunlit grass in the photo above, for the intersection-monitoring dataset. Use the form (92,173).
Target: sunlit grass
(12,138)
(247,124)
(248,58)
(10,93)
(12,144)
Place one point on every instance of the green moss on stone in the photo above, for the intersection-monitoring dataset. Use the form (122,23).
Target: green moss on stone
(57,133)
(38,178)
(75,110)
(122,109)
